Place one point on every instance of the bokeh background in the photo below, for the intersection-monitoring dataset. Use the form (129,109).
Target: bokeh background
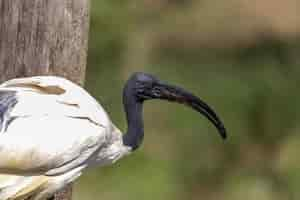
(240,56)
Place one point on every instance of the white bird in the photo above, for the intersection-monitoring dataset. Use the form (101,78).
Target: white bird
(51,129)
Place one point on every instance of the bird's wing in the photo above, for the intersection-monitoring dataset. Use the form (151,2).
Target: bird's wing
(63,91)
(52,126)
(48,145)
(16,187)
(20,187)
(7,101)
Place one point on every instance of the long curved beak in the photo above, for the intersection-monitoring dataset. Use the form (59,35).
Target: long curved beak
(180,95)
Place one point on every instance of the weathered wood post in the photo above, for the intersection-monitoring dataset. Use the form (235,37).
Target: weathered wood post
(44,37)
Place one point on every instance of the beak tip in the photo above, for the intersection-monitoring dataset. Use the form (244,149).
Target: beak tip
(223,132)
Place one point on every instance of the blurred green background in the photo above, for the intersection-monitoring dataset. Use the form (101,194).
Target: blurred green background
(240,56)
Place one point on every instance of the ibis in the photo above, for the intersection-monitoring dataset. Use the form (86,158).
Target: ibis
(51,130)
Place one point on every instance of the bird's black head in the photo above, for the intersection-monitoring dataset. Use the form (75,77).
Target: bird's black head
(142,86)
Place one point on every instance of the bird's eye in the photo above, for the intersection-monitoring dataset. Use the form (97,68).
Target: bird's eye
(144,85)
(156,92)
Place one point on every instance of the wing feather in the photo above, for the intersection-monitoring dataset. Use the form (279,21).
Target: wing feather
(7,102)
(46,89)
(21,187)
(56,126)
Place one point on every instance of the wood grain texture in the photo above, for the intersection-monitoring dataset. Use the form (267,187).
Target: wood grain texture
(44,37)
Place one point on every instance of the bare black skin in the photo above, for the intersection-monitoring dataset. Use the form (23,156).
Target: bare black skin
(141,87)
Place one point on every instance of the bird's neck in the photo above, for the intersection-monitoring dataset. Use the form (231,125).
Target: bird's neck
(134,114)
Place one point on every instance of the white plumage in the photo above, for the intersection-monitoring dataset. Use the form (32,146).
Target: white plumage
(54,130)
(51,129)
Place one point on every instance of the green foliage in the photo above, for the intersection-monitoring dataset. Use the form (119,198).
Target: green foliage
(254,88)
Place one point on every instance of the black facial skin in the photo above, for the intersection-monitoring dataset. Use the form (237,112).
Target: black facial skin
(141,87)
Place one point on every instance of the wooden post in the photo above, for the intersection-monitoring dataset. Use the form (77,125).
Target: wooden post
(44,37)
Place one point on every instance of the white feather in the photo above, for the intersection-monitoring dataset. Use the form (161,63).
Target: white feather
(57,129)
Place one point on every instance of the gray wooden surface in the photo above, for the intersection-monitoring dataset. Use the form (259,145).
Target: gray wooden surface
(44,37)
